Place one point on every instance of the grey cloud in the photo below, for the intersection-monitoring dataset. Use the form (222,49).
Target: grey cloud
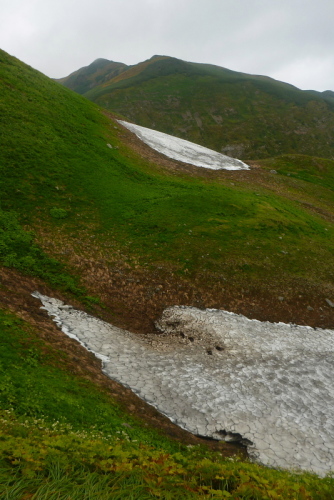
(291,40)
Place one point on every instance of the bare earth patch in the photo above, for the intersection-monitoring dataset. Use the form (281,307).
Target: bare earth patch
(15,295)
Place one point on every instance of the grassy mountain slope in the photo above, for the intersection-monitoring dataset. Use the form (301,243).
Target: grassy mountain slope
(96,73)
(245,116)
(124,232)
(240,228)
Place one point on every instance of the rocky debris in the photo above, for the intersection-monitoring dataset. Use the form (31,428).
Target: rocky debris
(269,385)
(329,302)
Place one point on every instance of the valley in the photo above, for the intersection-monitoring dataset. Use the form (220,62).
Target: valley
(94,217)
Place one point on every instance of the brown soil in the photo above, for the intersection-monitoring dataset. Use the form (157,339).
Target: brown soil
(135,296)
(15,296)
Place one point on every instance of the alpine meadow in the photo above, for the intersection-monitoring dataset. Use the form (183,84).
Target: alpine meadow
(92,216)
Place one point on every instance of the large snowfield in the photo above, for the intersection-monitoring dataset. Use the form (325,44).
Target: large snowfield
(221,375)
(185,151)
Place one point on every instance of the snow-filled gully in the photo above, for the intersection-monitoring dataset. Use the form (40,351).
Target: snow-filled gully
(185,151)
(220,375)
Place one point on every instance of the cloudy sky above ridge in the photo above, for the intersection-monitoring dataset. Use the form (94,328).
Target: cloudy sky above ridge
(290,40)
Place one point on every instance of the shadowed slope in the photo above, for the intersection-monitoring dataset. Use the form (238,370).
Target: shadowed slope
(241,115)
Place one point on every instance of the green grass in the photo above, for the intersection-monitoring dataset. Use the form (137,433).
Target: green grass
(256,117)
(18,250)
(32,384)
(61,438)
(57,171)
(57,174)
(318,171)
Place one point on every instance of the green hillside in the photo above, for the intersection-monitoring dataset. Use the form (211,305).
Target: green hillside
(97,73)
(55,158)
(241,115)
(90,215)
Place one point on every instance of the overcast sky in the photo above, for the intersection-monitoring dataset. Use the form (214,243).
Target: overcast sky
(290,40)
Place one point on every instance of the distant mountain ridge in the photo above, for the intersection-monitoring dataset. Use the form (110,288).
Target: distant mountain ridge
(238,114)
(98,72)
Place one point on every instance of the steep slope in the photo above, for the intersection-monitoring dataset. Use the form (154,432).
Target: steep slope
(241,115)
(123,232)
(97,73)
(184,151)
(145,232)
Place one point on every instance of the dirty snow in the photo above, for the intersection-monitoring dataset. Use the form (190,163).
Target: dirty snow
(222,375)
(185,151)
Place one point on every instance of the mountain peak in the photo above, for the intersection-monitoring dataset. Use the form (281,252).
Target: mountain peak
(157,56)
(101,60)
(221,109)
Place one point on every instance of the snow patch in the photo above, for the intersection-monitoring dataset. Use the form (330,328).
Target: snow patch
(185,151)
(269,385)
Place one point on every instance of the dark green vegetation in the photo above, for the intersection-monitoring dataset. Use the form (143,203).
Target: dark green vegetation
(254,229)
(314,170)
(97,73)
(61,439)
(18,250)
(55,160)
(241,115)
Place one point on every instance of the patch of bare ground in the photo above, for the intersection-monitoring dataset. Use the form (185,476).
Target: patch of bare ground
(136,295)
(15,296)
